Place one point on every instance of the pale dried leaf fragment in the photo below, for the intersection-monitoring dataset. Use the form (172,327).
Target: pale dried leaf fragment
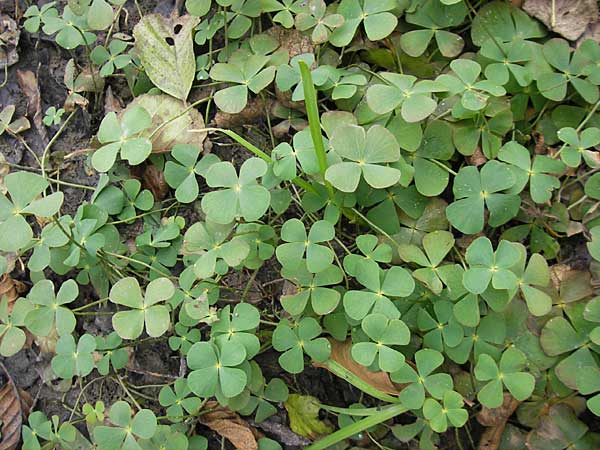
(569,18)
(230,425)
(166,50)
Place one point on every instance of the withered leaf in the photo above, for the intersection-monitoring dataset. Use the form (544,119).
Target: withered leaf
(568,18)
(231,426)
(495,421)
(14,405)
(380,380)
(29,85)
(166,50)
(11,289)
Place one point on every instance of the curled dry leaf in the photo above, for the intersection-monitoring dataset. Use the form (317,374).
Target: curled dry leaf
(380,380)
(569,18)
(11,289)
(14,405)
(29,85)
(495,421)
(231,426)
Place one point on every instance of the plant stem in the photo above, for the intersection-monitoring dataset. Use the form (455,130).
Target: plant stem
(53,140)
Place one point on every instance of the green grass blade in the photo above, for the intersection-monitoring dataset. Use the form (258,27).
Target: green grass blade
(364,424)
(314,123)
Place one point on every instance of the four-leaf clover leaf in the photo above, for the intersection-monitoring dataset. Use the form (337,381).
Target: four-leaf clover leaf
(71,359)
(367,151)
(144,309)
(48,311)
(298,244)
(423,378)
(508,373)
(215,369)
(383,333)
(242,196)
(294,341)
(475,190)
(127,429)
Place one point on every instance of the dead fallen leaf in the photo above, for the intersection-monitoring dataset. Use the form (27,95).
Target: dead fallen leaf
(9,40)
(477,158)
(231,426)
(291,40)
(340,353)
(592,32)
(303,412)
(568,18)
(14,405)
(495,421)
(11,289)
(153,179)
(254,110)
(111,102)
(29,85)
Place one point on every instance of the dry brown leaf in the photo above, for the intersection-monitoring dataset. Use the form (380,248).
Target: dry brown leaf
(153,179)
(29,85)
(11,288)
(231,426)
(254,111)
(14,404)
(340,353)
(111,102)
(495,421)
(477,158)
(569,18)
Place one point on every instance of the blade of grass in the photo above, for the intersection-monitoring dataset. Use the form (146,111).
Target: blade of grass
(314,123)
(258,152)
(364,424)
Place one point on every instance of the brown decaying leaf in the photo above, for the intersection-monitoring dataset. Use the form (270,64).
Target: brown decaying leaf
(495,421)
(231,426)
(253,112)
(14,404)
(340,353)
(29,85)
(477,158)
(111,102)
(11,288)
(153,179)
(569,18)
